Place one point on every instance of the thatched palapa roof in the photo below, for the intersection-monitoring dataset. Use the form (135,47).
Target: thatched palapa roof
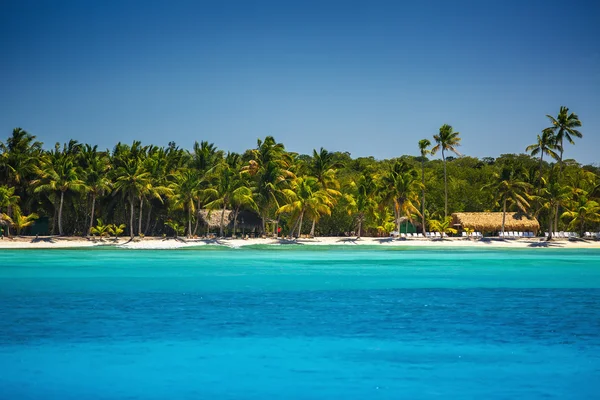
(213,217)
(492,221)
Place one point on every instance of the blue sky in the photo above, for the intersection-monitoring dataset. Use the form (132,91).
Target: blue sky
(368,77)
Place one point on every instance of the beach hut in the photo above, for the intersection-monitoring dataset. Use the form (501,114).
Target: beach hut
(492,222)
(247,221)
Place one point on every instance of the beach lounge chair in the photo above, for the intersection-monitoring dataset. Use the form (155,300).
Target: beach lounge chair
(420,235)
(437,235)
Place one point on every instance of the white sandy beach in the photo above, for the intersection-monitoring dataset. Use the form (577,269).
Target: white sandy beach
(170,243)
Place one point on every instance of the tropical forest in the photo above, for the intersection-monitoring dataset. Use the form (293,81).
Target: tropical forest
(141,189)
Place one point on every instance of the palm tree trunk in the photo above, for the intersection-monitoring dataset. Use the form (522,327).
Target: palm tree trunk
(92,214)
(359,227)
(197,219)
(148,220)
(294,227)
(9,213)
(397,213)
(560,181)
(60,230)
(222,221)
(189,222)
(235,215)
(423,196)
(503,216)
(140,220)
(541,163)
(550,225)
(312,229)
(300,224)
(131,233)
(445,187)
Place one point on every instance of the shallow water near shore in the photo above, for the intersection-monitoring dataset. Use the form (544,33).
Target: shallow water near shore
(296,322)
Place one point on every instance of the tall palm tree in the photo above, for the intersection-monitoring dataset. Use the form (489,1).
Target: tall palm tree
(509,189)
(400,185)
(95,177)
(546,144)
(424,150)
(58,173)
(131,180)
(270,166)
(446,140)
(564,127)
(185,186)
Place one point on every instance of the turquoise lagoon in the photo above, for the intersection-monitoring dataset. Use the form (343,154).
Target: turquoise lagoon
(300,323)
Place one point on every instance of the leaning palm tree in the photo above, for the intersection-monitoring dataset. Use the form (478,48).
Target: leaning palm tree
(306,198)
(546,144)
(424,150)
(361,201)
(446,140)
(400,185)
(59,174)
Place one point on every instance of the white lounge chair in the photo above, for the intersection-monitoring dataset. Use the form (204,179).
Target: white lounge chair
(437,235)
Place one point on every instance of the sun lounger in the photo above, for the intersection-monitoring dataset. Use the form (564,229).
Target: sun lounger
(437,235)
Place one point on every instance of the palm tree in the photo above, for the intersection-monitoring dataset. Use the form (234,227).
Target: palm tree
(581,212)
(508,189)
(306,198)
(131,181)
(95,166)
(400,185)
(8,200)
(442,226)
(185,187)
(424,150)
(270,166)
(546,144)
(19,156)
(362,200)
(58,173)
(553,195)
(446,140)
(19,221)
(563,127)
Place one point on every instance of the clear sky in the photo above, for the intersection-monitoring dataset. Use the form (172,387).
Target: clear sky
(368,77)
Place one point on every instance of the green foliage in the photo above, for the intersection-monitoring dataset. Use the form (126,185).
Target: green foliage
(157,190)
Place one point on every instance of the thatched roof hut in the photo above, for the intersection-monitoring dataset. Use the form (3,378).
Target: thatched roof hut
(213,217)
(492,221)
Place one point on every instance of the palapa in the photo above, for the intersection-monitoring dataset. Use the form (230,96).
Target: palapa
(492,221)
(213,217)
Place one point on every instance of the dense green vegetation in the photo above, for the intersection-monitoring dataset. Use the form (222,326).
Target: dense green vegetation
(150,190)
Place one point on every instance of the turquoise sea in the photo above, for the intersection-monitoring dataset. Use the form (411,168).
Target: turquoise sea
(300,323)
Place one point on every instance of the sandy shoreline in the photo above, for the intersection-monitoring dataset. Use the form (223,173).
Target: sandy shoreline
(170,243)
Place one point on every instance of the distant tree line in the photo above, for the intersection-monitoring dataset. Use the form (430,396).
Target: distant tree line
(148,190)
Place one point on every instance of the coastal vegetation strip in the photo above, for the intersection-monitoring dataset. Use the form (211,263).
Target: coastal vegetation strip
(141,190)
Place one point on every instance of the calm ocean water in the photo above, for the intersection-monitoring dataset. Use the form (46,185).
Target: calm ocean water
(300,323)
